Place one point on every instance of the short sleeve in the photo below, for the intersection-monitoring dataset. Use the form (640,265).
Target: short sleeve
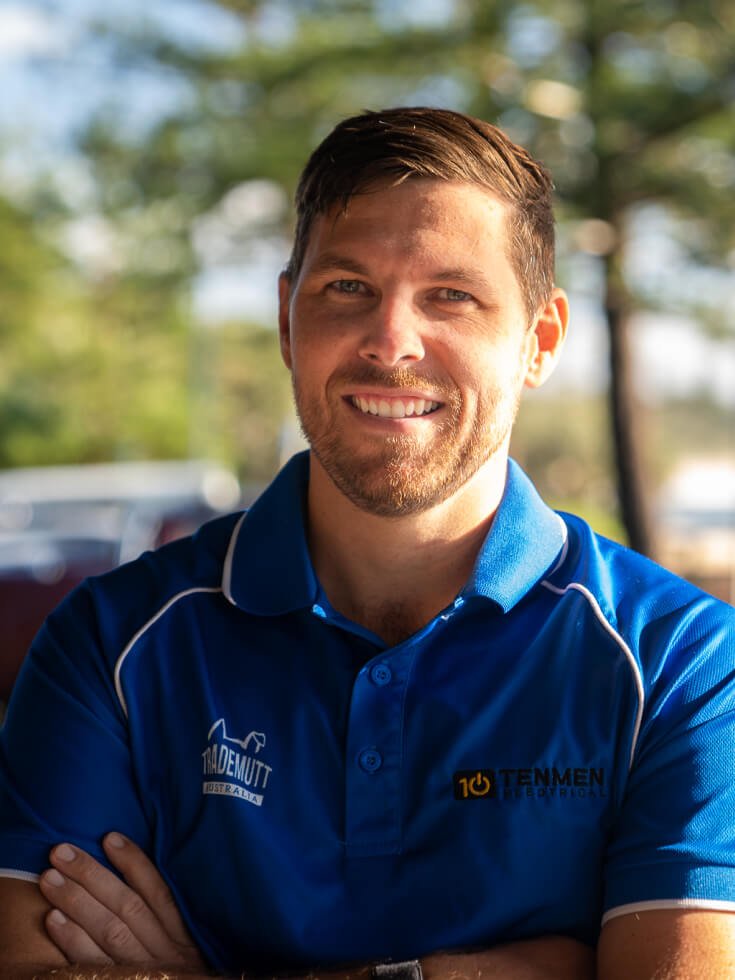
(65,766)
(674,841)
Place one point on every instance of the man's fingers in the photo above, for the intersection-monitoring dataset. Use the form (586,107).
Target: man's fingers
(74,942)
(144,878)
(90,932)
(137,922)
(114,916)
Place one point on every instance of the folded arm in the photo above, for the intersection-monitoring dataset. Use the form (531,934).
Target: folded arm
(27,951)
(133,931)
(668,944)
(83,914)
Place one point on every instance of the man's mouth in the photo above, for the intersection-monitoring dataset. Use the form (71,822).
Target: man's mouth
(394,408)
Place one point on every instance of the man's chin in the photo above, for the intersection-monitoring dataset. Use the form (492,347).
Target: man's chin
(395,476)
(398,491)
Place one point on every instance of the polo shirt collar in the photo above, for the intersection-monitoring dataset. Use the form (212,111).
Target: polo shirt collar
(524,542)
(268,570)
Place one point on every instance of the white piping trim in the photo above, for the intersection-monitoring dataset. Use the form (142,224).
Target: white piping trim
(565,547)
(678,903)
(227,570)
(577,586)
(20,875)
(164,609)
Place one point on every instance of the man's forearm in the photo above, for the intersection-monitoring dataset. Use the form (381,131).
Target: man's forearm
(545,958)
(548,958)
(96,973)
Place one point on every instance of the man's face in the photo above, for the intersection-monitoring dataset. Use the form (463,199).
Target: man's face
(408,342)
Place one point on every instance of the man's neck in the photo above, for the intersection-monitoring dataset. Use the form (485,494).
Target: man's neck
(392,575)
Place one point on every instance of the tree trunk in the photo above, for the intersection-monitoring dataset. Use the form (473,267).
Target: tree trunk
(626,416)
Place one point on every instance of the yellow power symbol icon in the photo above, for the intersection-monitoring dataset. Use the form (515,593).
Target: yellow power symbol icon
(479,785)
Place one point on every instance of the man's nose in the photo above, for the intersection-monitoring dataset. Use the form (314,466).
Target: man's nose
(394,334)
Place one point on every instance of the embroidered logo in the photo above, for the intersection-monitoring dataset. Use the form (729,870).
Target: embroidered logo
(233,761)
(578,782)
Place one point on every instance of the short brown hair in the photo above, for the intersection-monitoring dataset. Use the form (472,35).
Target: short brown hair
(397,144)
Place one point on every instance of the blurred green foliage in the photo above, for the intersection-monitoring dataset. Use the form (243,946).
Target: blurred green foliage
(242,405)
(88,368)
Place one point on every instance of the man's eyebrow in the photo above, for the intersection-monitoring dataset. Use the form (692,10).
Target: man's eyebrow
(334,262)
(469,277)
(330,261)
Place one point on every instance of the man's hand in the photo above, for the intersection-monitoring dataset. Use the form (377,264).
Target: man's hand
(99,920)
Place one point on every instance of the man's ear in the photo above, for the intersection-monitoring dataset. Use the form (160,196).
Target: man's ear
(547,338)
(284,317)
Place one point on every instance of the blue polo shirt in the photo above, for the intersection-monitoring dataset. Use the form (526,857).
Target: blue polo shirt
(555,746)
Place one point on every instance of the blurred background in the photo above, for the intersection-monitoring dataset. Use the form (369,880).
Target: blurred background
(148,157)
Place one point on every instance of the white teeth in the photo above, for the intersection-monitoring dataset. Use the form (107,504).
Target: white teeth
(396,408)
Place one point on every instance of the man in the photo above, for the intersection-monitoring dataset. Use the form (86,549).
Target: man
(400,707)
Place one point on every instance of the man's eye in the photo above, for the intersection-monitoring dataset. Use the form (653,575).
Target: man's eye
(349,286)
(455,295)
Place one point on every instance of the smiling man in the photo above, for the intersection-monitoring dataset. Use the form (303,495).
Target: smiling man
(400,716)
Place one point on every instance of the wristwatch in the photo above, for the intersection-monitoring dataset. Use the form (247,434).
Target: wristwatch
(406,970)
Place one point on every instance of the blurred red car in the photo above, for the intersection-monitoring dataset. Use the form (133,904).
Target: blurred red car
(60,524)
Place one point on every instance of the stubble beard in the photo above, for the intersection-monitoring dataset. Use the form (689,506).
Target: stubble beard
(401,474)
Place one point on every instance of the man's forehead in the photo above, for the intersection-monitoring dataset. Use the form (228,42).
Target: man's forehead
(420,206)
(445,221)
(429,194)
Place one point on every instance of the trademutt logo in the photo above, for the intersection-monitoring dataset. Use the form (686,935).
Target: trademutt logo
(230,766)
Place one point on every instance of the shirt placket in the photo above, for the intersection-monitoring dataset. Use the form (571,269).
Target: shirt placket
(375,755)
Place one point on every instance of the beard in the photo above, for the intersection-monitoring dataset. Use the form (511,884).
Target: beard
(403,474)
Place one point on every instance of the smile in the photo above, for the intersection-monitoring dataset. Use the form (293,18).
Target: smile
(394,408)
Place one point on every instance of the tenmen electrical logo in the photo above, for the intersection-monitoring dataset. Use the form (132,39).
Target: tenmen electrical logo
(570,782)
(240,774)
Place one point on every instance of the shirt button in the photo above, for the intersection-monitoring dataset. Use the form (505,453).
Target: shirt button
(381,674)
(370,760)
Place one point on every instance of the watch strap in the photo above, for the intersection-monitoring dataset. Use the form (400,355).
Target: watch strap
(405,970)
